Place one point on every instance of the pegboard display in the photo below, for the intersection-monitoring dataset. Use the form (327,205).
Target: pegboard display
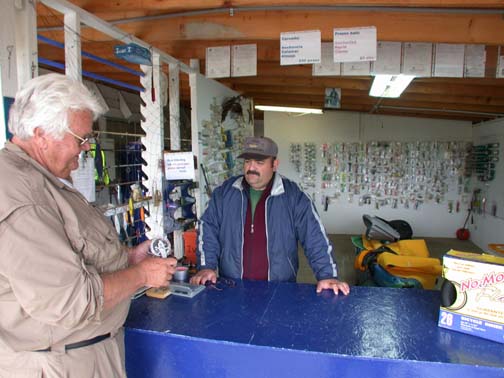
(180,212)
(309,165)
(221,138)
(295,156)
(483,160)
(395,174)
(304,159)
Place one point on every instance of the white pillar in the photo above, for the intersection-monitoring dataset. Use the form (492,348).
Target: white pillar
(26,41)
(199,182)
(174,104)
(194,64)
(73,61)
(153,125)
(8,49)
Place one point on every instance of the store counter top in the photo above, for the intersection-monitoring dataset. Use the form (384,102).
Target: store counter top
(261,329)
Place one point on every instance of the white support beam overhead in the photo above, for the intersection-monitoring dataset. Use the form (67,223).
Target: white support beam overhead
(87,18)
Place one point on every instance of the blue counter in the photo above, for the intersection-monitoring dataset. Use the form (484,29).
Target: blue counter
(261,329)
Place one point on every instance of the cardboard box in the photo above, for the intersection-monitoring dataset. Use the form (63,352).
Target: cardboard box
(472,297)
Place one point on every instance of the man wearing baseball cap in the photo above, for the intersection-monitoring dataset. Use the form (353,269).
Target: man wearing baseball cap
(254,222)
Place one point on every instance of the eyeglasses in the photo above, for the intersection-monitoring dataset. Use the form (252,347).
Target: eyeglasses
(82,141)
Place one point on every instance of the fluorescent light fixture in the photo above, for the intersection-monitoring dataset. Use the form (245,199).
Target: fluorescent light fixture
(288,109)
(390,85)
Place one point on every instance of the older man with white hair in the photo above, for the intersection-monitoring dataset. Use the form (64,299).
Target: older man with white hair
(65,279)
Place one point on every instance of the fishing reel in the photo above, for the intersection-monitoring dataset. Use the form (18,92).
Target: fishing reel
(160,248)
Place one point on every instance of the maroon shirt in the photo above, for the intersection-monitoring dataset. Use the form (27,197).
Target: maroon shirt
(255,255)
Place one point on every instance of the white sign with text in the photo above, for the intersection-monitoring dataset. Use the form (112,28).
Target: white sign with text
(355,44)
(218,62)
(179,165)
(417,59)
(388,59)
(244,60)
(301,47)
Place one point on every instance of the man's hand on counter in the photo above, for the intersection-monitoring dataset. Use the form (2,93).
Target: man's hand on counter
(333,284)
(203,276)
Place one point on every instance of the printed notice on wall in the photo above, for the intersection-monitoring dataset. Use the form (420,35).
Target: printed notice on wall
(217,62)
(355,44)
(500,68)
(300,47)
(179,165)
(355,69)
(388,59)
(83,178)
(474,61)
(326,67)
(244,60)
(449,60)
(417,59)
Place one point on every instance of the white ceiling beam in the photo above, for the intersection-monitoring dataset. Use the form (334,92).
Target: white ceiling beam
(91,20)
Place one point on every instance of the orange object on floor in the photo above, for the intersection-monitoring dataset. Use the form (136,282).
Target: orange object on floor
(190,245)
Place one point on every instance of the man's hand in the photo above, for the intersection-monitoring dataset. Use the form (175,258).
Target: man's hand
(333,284)
(139,252)
(203,276)
(157,271)
(150,271)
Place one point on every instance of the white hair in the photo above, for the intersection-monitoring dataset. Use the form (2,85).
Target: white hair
(45,102)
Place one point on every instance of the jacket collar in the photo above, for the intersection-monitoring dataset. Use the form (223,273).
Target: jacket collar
(276,189)
(20,154)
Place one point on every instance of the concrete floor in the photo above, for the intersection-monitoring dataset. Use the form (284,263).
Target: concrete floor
(344,251)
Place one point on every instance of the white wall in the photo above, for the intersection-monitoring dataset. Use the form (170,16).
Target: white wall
(487,228)
(207,90)
(343,217)
(203,94)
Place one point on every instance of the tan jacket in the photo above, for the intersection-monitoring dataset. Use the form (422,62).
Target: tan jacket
(54,245)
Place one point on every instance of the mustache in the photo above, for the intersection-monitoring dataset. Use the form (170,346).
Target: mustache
(250,172)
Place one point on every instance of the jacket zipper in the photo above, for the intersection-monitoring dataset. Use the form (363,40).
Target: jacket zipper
(251,242)
(266,231)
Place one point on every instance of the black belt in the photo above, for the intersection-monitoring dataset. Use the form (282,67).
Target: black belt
(80,344)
